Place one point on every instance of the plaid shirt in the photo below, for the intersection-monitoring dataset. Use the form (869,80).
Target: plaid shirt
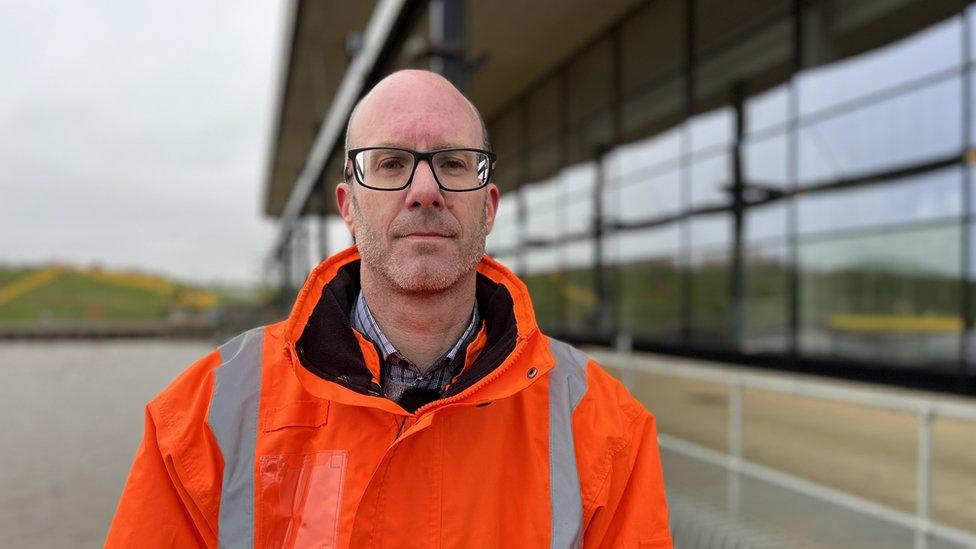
(403,381)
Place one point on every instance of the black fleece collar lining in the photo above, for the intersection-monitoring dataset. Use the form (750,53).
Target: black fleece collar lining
(329,349)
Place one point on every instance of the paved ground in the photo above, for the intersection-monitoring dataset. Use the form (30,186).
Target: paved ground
(767,516)
(861,450)
(72,419)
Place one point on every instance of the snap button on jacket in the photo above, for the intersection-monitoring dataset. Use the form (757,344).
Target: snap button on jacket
(281,438)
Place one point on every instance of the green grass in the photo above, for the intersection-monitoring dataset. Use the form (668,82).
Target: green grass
(8,275)
(74,296)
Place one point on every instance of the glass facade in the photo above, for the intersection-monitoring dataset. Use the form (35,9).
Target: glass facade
(797,184)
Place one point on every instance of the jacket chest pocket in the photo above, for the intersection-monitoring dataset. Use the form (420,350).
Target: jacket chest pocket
(299,498)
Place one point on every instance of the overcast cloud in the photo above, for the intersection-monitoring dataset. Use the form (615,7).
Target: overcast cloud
(137,134)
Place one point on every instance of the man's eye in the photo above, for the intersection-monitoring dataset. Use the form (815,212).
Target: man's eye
(391,164)
(452,164)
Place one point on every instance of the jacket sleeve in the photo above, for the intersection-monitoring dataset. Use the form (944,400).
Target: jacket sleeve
(156,508)
(626,503)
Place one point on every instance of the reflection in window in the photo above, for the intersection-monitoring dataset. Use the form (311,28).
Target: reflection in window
(882,297)
(922,54)
(711,232)
(652,152)
(542,209)
(712,129)
(930,196)
(648,299)
(711,300)
(579,290)
(504,232)
(766,222)
(544,283)
(635,245)
(766,286)
(508,261)
(768,110)
(766,161)
(919,126)
(647,291)
(577,184)
(710,180)
(640,198)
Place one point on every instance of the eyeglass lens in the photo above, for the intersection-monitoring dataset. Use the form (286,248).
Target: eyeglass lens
(391,168)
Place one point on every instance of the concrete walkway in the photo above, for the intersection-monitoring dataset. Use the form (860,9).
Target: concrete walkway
(861,450)
(73,416)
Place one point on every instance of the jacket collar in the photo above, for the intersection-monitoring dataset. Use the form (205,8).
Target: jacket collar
(333,363)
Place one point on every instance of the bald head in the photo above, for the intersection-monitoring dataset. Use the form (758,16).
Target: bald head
(412,96)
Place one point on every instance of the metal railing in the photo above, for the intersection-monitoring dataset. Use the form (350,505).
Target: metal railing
(926,410)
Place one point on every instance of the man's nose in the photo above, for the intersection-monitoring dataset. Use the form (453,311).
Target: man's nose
(423,191)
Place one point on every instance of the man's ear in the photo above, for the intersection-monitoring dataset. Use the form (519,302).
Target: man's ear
(344,201)
(491,205)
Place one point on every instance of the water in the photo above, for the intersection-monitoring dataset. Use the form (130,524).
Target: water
(72,417)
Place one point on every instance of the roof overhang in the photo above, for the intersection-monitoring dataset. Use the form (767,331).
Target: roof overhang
(322,84)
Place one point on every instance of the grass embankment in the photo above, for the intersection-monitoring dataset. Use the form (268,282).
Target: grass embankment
(67,294)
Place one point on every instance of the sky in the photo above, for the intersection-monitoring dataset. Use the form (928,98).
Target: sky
(137,134)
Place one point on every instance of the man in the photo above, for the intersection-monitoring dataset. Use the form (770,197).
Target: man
(410,399)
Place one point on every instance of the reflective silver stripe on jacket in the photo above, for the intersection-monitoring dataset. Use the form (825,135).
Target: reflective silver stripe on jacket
(567,385)
(233,419)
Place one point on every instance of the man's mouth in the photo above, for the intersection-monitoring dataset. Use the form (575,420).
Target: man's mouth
(426,236)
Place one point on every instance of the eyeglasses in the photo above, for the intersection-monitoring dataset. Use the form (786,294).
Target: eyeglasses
(392,169)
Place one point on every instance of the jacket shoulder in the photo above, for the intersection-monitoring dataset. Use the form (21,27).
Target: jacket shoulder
(607,420)
(592,389)
(182,410)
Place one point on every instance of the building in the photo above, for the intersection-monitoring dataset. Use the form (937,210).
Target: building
(783,183)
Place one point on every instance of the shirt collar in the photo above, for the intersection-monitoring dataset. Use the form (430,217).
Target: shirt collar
(362,320)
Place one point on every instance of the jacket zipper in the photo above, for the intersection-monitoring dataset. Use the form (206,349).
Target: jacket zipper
(400,429)
(516,353)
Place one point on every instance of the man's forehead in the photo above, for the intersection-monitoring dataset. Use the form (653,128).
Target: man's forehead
(415,106)
(394,123)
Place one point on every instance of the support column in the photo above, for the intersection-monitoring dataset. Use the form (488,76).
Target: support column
(447,39)
(737,311)
(323,220)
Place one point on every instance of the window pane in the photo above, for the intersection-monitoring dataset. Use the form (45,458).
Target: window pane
(712,129)
(768,109)
(922,125)
(544,283)
(542,210)
(653,152)
(766,161)
(630,246)
(648,295)
(930,196)
(509,261)
(710,180)
(545,290)
(766,222)
(577,186)
(890,298)
(580,299)
(711,232)
(504,232)
(922,54)
(766,285)
(711,300)
(648,281)
(638,197)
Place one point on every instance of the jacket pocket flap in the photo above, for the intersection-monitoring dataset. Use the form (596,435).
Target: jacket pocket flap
(301,413)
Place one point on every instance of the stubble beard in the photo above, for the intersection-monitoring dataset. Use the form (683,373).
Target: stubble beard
(419,275)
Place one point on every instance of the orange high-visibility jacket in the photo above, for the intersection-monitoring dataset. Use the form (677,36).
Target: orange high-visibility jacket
(282,438)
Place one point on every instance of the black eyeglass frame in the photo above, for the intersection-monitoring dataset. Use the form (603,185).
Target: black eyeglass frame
(417,157)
